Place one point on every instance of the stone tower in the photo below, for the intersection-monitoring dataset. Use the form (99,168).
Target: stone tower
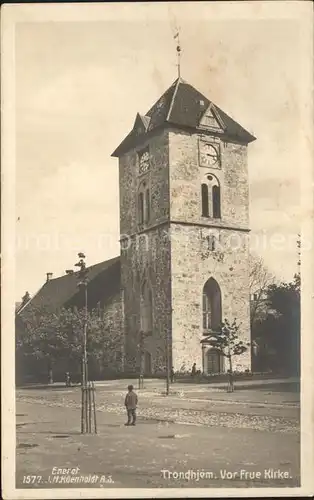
(184,222)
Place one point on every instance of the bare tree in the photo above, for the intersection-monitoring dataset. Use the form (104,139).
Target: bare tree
(260,278)
(299,251)
(227,343)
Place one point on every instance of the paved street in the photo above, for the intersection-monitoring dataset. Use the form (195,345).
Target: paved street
(196,428)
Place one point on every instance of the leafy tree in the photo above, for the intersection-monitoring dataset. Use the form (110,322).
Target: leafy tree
(277,331)
(285,300)
(227,343)
(278,334)
(52,337)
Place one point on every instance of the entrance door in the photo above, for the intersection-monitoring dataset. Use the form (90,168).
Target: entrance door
(213,362)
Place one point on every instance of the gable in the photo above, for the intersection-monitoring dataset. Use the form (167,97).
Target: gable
(211,120)
(140,125)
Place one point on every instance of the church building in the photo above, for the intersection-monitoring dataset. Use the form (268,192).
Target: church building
(184,224)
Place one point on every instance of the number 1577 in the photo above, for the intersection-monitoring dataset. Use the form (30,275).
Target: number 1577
(32,479)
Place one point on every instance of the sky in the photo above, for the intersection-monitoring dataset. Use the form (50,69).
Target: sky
(78,87)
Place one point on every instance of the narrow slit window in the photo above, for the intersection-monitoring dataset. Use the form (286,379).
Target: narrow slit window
(216,202)
(211,305)
(141,208)
(147,206)
(211,242)
(205,207)
(206,312)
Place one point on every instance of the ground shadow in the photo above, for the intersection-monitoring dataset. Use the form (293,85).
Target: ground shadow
(52,433)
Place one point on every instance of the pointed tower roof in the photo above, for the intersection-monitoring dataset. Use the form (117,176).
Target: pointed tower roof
(183,106)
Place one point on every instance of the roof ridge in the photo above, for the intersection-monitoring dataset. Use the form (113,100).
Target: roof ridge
(61,290)
(112,259)
(30,300)
(230,117)
(116,258)
(177,82)
(174,84)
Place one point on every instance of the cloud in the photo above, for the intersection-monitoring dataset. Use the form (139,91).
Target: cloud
(77,96)
(275,204)
(280,188)
(74,210)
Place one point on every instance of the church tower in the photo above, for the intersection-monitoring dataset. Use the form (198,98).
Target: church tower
(184,223)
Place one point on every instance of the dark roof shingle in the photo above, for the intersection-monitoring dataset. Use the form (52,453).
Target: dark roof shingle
(182,105)
(104,281)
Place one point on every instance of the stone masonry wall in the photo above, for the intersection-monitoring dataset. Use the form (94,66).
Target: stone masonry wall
(147,258)
(114,321)
(172,253)
(157,179)
(186,176)
(145,251)
(192,264)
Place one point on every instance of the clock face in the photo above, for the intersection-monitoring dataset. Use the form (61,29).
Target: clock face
(144,162)
(209,156)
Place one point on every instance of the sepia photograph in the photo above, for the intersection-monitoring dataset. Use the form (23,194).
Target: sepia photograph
(157,232)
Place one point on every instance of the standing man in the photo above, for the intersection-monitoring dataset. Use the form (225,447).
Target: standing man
(172,375)
(193,371)
(131,404)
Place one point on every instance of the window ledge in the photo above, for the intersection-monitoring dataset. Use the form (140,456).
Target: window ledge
(210,217)
(143,226)
(210,331)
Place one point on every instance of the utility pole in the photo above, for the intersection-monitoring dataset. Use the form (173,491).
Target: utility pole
(88,405)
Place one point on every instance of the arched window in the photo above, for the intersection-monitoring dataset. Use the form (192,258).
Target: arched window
(205,205)
(211,306)
(140,208)
(143,204)
(146,308)
(147,206)
(210,191)
(216,202)
(207,312)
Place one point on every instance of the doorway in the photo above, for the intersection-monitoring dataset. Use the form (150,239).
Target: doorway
(214,362)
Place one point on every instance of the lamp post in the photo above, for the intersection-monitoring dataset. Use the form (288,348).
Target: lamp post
(82,284)
(167,363)
(141,352)
(203,357)
(88,389)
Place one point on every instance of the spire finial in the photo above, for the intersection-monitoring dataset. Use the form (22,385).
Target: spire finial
(177,38)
